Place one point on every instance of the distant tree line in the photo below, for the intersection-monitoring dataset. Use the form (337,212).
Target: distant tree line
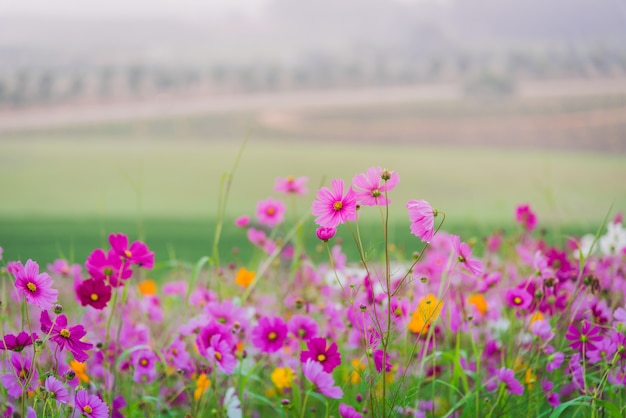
(479,72)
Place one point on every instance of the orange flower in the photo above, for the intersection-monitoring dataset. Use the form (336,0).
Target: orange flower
(428,310)
(244,277)
(478,300)
(357,368)
(147,287)
(202,384)
(80,369)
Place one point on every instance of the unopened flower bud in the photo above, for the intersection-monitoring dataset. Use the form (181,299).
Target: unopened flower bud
(69,375)
(58,309)
(385,175)
(325,233)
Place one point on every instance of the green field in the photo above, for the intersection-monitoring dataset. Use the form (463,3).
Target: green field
(64,190)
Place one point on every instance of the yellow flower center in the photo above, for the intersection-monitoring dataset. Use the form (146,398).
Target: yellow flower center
(517,300)
(337,205)
(143,362)
(271,211)
(23,374)
(65,333)
(272,336)
(218,356)
(321,357)
(31,286)
(128,254)
(94,297)
(87,409)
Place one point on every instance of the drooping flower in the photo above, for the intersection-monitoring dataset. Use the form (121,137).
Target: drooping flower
(325,233)
(507,377)
(333,207)
(90,406)
(422,217)
(584,339)
(328,357)
(138,252)
(35,287)
(17,342)
(64,335)
(94,292)
(370,187)
(269,334)
(56,390)
(19,374)
(526,217)
(270,212)
(291,185)
(464,253)
(323,382)
(108,266)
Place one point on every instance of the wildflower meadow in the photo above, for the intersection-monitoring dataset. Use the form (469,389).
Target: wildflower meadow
(444,328)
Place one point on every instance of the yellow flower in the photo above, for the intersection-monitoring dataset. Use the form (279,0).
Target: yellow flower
(80,369)
(537,316)
(282,377)
(531,378)
(202,384)
(147,287)
(428,309)
(358,367)
(244,277)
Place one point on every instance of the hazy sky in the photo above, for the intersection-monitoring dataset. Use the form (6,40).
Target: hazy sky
(131,8)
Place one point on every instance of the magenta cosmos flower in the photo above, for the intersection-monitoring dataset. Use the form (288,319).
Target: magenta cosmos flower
(328,357)
(35,287)
(64,335)
(220,352)
(94,292)
(302,327)
(464,253)
(90,406)
(108,266)
(323,382)
(333,207)
(370,188)
(526,217)
(270,212)
(507,377)
(291,185)
(518,298)
(585,339)
(17,342)
(19,374)
(138,252)
(325,233)
(347,411)
(269,334)
(422,217)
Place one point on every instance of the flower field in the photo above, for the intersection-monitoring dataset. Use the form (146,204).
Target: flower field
(521,328)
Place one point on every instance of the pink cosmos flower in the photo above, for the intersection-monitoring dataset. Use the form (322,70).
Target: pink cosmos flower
(370,187)
(144,362)
(56,390)
(526,217)
(108,266)
(347,411)
(325,233)
(64,335)
(322,381)
(464,253)
(422,217)
(137,253)
(177,355)
(270,212)
(63,268)
(518,298)
(291,185)
(19,374)
(269,334)
(242,221)
(259,238)
(221,353)
(302,327)
(333,207)
(19,342)
(584,339)
(507,376)
(328,357)
(35,287)
(90,406)
(95,293)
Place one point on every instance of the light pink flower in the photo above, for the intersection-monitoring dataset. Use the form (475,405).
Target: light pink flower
(260,239)
(242,221)
(35,287)
(333,207)
(370,187)
(464,253)
(422,217)
(291,185)
(270,212)
(323,381)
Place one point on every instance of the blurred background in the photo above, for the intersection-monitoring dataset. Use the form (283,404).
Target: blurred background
(123,116)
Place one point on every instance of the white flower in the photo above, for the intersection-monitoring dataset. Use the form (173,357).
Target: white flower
(584,247)
(232,404)
(614,241)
